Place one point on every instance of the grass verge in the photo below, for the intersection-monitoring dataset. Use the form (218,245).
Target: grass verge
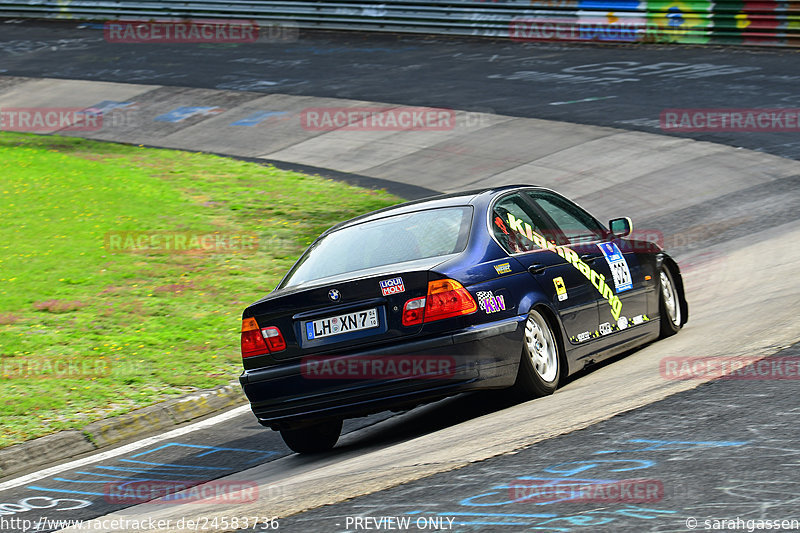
(93,325)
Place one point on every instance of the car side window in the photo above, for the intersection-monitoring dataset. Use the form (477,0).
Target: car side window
(576,225)
(510,217)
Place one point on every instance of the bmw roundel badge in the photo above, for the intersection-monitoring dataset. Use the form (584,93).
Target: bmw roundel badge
(334,295)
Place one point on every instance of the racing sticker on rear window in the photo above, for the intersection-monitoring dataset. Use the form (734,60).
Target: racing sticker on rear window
(619,267)
(489,302)
(392,286)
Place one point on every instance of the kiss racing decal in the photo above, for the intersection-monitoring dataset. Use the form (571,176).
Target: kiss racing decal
(595,278)
(489,302)
(392,286)
(619,267)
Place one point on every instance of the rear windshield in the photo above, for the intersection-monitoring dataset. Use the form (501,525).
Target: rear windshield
(385,241)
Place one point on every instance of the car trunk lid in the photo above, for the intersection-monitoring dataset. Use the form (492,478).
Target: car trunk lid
(338,314)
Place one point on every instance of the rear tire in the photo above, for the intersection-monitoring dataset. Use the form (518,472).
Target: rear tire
(315,438)
(540,364)
(670,306)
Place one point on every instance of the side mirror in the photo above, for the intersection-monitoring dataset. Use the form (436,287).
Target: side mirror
(620,227)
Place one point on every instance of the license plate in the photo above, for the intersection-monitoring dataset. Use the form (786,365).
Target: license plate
(336,325)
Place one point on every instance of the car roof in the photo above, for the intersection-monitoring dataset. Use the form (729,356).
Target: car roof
(432,202)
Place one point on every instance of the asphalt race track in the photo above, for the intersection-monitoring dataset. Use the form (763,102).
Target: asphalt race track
(724,470)
(623,86)
(720,450)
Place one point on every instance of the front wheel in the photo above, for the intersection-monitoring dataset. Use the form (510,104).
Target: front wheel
(540,365)
(669,304)
(318,437)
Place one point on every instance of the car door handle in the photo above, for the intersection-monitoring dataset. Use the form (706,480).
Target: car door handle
(588,258)
(537,268)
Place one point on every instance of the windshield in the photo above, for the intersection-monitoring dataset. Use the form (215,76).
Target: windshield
(385,241)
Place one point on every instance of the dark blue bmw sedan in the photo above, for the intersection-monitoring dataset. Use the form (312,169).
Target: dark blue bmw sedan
(512,287)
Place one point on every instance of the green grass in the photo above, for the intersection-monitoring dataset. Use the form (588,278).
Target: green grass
(146,326)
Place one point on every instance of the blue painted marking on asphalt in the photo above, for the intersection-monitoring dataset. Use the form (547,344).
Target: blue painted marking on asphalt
(182,113)
(84,493)
(151,471)
(130,480)
(210,449)
(105,475)
(589,518)
(678,444)
(587,465)
(557,481)
(256,118)
(173,465)
(111,105)
(632,512)
(580,520)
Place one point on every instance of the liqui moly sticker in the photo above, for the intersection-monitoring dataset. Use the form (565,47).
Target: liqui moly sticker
(392,286)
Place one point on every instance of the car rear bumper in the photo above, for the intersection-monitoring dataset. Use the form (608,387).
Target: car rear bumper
(478,357)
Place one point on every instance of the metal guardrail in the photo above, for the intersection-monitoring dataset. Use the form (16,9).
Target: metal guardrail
(737,22)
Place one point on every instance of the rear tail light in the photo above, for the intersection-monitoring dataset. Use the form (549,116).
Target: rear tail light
(252,342)
(260,341)
(414,311)
(446,298)
(274,339)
